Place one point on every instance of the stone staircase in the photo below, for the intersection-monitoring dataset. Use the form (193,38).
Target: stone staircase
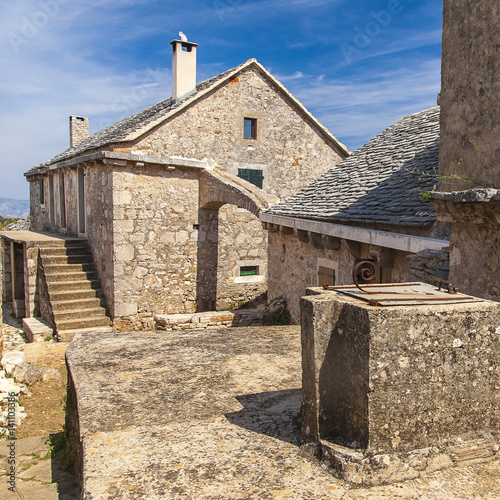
(76,299)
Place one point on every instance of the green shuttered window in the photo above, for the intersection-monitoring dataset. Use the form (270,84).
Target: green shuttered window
(251,175)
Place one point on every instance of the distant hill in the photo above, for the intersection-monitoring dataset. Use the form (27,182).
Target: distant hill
(14,208)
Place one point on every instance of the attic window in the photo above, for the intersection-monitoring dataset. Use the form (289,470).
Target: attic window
(250,128)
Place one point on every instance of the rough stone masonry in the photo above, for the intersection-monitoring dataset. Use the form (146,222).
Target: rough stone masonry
(381,384)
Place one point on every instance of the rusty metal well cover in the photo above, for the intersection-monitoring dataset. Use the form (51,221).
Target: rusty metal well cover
(403,294)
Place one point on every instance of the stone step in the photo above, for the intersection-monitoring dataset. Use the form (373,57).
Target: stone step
(57,251)
(67,335)
(68,268)
(79,323)
(36,329)
(84,313)
(68,295)
(81,258)
(72,276)
(73,285)
(75,304)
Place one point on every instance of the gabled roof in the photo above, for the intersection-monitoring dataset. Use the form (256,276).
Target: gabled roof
(379,182)
(132,127)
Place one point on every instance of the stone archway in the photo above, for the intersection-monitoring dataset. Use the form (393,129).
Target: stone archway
(218,188)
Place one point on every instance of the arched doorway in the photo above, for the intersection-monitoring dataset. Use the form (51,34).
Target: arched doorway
(232,244)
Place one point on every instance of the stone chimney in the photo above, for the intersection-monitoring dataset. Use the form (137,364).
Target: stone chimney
(78,129)
(183,67)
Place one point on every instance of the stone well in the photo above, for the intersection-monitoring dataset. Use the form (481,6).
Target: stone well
(392,392)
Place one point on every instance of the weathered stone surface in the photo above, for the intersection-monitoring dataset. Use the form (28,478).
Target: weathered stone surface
(11,359)
(220,424)
(211,415)
(27,373)
(36,330)
(429,266)
(469,120)
(387,380)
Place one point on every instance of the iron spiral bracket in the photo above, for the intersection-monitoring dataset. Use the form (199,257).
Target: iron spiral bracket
(364,270)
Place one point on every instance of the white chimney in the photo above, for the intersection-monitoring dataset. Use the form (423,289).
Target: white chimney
(183,68)
(78,129)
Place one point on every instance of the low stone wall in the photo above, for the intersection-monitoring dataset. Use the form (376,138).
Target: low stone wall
(208,320)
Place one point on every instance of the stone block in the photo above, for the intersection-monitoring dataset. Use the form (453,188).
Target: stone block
(219,317)
(394,379)
(11,359)
(126,309)
(36,330)
(27,373)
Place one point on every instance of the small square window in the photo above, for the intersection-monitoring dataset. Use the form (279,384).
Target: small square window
(250,128)
(249,270)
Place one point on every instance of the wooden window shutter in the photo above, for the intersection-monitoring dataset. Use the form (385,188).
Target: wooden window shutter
(326,276)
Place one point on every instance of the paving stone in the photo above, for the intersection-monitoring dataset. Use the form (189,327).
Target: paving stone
(215,419)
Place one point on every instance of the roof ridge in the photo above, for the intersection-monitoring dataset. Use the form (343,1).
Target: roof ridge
(417,113)
(132,127)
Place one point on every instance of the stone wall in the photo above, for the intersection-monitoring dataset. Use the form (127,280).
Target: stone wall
(155,243)
(293,265)
(288,151)
(99,223)
(470,91)
(244,246)
(429,266)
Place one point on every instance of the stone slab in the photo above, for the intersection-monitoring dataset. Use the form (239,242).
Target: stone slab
(198,414)
(243,317)
(36,330)
(211,414)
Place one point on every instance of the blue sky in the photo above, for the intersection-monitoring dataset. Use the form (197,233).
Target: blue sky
(357,66)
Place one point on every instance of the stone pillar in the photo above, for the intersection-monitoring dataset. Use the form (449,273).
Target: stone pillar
(469,151)
(397,378)
(7,272)
(30,279)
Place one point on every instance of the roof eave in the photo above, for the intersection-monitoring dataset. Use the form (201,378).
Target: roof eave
(173,161)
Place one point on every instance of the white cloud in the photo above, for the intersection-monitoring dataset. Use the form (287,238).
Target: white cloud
(359,109)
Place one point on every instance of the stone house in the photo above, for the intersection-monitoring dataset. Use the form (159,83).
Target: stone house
(168,199)
(370,206)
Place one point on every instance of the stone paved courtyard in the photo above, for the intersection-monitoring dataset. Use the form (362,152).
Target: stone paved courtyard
(211,415)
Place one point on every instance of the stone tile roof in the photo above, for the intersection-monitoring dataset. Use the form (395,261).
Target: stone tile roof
(133,126)
(120,130)
(379,182)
